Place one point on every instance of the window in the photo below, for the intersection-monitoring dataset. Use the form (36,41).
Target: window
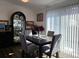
(66,22)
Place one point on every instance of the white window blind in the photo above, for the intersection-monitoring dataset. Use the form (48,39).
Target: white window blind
(66,22)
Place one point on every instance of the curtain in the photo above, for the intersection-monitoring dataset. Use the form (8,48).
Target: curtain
(66,21)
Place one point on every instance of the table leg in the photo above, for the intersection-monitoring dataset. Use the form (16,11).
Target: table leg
(57,55)
(40,52)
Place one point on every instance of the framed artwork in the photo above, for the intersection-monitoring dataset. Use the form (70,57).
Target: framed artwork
(40,17)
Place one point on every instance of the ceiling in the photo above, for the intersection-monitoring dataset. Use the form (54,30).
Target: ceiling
(43,3)
(35,2)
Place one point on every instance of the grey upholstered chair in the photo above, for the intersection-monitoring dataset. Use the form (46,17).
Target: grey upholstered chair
(50,33)
(54,46)
(27,49)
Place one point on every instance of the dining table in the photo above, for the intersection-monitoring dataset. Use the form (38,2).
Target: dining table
(40,40)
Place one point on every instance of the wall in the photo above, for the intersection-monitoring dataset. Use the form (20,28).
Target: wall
(43,23)
(7,9)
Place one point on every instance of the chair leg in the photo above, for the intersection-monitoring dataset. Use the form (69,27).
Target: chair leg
(57,55)
(23,53)
(50,56)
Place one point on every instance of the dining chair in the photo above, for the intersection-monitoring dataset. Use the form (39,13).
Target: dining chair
(27,49)
(54,47)
(50,33)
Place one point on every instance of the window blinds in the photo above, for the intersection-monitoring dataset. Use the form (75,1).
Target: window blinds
(66,22)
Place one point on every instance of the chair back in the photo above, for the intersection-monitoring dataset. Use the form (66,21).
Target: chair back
(50,33)
(23,42)
(55,44)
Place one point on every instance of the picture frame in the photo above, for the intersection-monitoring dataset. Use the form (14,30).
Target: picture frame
(40,17)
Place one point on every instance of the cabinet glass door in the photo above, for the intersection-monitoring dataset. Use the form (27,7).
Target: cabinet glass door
(18,25)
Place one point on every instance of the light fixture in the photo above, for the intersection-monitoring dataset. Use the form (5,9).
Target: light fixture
(25,1)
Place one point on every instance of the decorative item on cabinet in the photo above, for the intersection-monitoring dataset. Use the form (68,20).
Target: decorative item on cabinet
(29,25)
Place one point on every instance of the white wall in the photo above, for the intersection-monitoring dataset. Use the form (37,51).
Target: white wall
(43,23)
(7,9)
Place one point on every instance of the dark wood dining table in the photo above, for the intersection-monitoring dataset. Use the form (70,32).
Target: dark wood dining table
(40,41)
